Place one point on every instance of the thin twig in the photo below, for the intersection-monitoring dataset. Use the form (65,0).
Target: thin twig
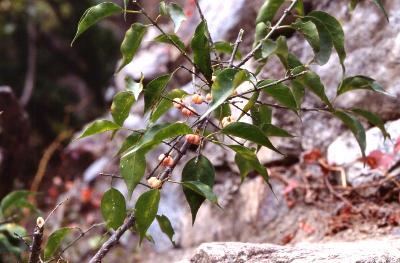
(113,240)
(235,48)
(37,241)
(273,29)
(55,208)
(114,176)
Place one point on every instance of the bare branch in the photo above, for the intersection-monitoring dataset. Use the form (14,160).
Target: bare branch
(37,241)
(235,48)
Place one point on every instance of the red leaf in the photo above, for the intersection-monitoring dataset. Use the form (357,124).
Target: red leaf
(379,160)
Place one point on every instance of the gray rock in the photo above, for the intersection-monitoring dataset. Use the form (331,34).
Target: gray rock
(368,251)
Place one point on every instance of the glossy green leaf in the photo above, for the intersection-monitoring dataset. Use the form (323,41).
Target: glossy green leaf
(261,31)
(166,227)
(379,4)
(153,91)
(54,241)
(313,82)
(247,162)
(201,189)
(201,50)
(360,82)
(12,199)
(249,132)
(282,51)
(298,91)
(310,32)
(335,31)
(7,246)
(146,208)
(225,83)
(121,106)
(274,131)
(176,14)
(94,14)
(113,208)
(373,119)
(199,170)
(356,128)
(135,87)
(268,47)
(12,229)
(280,92)
(261,114)
(99,126)
(129,142)
(131,43)
(268,10)
(157,133)
(133,167)
(226,48)
(170,39)
(166,104)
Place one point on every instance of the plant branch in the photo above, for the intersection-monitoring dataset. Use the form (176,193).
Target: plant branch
(235,48)
(113,240)
(273,29)
(37,241)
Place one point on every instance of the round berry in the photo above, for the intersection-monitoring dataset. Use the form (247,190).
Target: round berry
(154,182)
(197,99)
(177,102)
(209,97)
(189,111)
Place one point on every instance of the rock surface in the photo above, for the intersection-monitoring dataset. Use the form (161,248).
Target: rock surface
(367,251)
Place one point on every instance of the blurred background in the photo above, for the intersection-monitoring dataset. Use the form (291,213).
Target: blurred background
(50,90)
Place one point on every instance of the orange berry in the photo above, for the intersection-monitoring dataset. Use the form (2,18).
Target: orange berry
(166,160)
(209,97)
(177,102)
(154,182)
(189,111)
(197,99)
(193,139)
(227,120)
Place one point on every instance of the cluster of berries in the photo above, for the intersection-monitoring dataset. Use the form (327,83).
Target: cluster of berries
(188,110)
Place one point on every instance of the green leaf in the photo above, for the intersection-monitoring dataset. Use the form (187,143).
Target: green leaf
(153,91)
(157,133)
(12,229)
(170,39)
(132,167)
(313,82)
(268,10)
(166,227)
(356,128)
(226,48)
(54,241)
(201,50)
(300,7)
(379,4)
(199,170)
(249,132)
(174,12)
(113,208)
(95,14)
(280,92)
(261,114)
(225,83)
(268,47)
(298,92)
(131,43)
(146,209)
(274,131)
(201,189)
(250,104)
(166,104)
(335,31)
(121,106)
(360,82)
(310,32)
(99,126)
(135,87)
(373,119)
(12,200)
(223,110)
(129,142)
(7,246)
(247,162)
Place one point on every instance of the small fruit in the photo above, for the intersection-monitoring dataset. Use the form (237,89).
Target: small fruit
(227,120)
(193,139)
(154,182)
(209,97)
(213,78)
(188,111)
(177,102)
(234,93)
(197,99)
(166,160)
